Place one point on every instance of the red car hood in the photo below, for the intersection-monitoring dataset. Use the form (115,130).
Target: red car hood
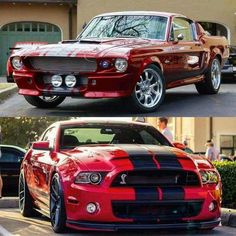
(89,48)
(109,157)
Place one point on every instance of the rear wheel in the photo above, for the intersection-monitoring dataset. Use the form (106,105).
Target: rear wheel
(25,200)
(149,91)
(57,205)
(44,101)
(212,82)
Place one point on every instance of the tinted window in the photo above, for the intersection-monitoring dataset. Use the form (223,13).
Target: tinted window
(77,136)
(10,155)
(182,26)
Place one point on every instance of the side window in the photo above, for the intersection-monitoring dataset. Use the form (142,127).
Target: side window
(148,138)
(10,156)
(182,26)
(50,136)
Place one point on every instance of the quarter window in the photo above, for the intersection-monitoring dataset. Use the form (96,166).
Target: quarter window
(184,27)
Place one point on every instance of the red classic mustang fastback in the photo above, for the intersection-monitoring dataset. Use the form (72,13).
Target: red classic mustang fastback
(93,175)
(137,55)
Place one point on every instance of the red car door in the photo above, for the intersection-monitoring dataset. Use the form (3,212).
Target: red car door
(43,161)
(188,53)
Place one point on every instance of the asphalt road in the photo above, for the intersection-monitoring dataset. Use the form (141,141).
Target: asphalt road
(183,101)
(12,223)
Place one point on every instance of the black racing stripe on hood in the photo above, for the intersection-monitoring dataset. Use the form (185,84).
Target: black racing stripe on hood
(175,193)
(168,161)
(140,157)
(142,162)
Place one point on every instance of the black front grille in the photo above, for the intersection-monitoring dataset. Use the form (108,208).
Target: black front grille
(156,210)
(154,178)
(62,64)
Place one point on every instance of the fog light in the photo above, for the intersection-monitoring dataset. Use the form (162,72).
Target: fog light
(70,81)
(92,208)
(57,81)
(212,206)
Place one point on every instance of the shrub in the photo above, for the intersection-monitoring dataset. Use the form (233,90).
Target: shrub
(227,171)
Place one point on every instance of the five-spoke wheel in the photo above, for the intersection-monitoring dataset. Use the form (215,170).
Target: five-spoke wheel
(57,206)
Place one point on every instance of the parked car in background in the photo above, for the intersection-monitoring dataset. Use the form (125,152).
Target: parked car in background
(136,55)
(229,70)
(10,163)
(106,176)
(19,46)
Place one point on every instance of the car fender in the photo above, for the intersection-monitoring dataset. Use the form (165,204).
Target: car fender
(153,60)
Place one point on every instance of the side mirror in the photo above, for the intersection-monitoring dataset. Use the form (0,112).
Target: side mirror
(44,146)
(180,37)
(180,146)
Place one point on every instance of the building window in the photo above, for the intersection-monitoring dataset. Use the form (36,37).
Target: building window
(228,145)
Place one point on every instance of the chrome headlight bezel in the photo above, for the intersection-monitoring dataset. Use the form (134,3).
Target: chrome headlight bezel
(209,177)
(93,178)
(17,63)
(121,64)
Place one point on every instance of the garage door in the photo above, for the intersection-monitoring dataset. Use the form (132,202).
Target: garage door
(25,32)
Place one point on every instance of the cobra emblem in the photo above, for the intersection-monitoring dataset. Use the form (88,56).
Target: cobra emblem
(123,179)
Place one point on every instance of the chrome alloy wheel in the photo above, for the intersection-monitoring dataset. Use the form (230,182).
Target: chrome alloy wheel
(216,74)
(55,202)
(149,89)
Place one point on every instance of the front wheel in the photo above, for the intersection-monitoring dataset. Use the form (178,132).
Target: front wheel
(212,81)
(57,205)
(44,101)
(25,200)
(149,91)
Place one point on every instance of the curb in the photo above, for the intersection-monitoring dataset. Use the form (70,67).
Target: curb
(9,202)
(5,93)
(228,217)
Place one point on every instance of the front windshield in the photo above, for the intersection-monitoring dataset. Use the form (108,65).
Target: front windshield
(151,27)
(72,137)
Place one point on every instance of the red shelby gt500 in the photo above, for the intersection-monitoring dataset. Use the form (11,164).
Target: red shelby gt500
(112,175)
(137,55)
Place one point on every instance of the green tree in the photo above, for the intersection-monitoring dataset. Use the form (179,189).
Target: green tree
(21,131)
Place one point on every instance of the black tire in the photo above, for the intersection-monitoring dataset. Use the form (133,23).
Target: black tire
(41,103)
(146,91)
(57,205)
(207,86)
(10,79)
(26,205)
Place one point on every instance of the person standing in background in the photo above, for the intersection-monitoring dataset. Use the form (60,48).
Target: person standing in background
(162,124)
(212,153)
(1,182)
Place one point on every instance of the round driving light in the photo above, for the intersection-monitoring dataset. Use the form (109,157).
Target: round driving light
(70,81)
(17,63)
(57,81)
(212,206)
(105,64)
(95,178)
(121,64)
(91,208)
